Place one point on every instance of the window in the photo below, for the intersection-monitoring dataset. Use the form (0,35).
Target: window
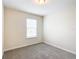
(31,28)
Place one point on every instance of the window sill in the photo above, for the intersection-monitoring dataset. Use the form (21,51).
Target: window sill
(30,37)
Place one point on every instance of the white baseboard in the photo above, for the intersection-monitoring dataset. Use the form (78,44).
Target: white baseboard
(60,47)
(40,42)
(19,46)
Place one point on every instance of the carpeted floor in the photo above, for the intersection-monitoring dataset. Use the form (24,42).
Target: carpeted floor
(38,51)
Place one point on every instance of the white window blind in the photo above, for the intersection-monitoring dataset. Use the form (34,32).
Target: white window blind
(31,28)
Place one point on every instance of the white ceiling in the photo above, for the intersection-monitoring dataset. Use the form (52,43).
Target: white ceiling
(32,7)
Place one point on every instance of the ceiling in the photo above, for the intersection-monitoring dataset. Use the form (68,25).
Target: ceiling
(31,7)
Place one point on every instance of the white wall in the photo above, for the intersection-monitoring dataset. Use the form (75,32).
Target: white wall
(3,32)
(15,29)
(60,29)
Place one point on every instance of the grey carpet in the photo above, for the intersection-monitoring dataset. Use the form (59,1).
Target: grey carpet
(38,51)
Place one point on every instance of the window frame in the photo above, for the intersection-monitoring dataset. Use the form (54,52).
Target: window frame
(36,28)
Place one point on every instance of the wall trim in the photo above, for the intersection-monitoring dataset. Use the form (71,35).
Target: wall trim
(38,43)
(49,43)
(20,47)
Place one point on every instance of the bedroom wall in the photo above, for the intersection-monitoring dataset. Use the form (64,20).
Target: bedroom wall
(15,29)
(60,29)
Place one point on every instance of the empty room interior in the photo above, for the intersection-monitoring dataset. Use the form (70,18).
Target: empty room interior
(39,29)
